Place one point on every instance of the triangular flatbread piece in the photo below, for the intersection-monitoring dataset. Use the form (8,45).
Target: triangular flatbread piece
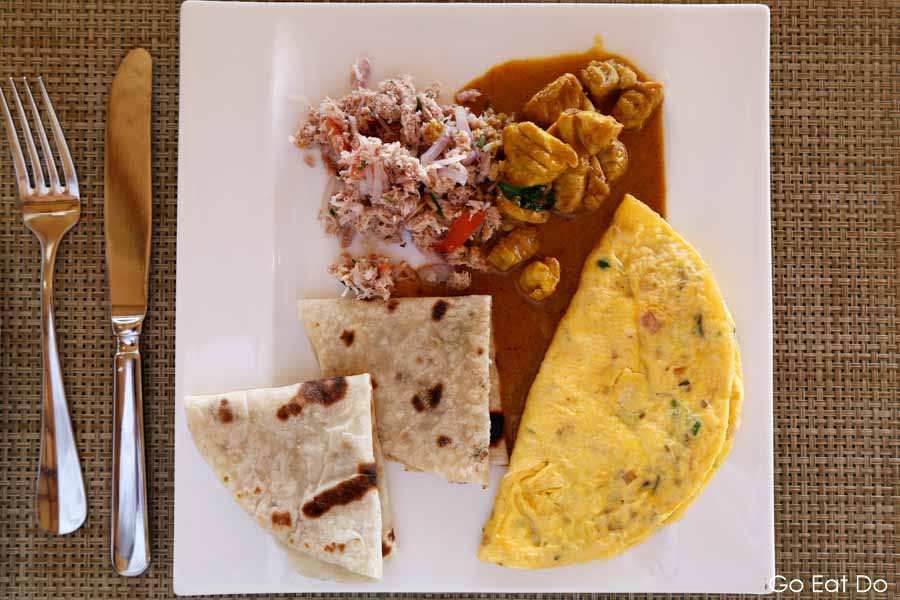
(301,461)
(430,364)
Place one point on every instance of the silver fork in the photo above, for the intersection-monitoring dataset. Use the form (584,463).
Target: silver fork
(49,211)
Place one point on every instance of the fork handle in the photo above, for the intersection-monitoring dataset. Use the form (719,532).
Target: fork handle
(60,502)
(130,535)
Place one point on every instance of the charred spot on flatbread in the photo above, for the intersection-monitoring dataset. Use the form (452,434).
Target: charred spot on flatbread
(390,535)
(281,518)
(443,441)
(374,383)
(429,399)
(343,493)
(347,337)
(225,414)
(439,310)
(497,421)
(334,547)
(392,305)
(434,395)
(326,391)
(385,549)
(291,409)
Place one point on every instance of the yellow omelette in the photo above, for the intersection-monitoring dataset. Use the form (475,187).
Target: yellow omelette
(633,409)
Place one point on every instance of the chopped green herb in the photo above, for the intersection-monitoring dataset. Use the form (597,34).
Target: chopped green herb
(480,142)
(418,104)
(673,410)
(437,205)
(556,557)
(655,485)
(364,163)
(535,197)
(332,212)
(696,428)
(698,325)
(684,383)
(603,264)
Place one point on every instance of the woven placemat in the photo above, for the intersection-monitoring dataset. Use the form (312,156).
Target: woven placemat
(835,117)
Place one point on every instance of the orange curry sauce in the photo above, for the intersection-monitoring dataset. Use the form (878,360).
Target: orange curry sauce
(523,329)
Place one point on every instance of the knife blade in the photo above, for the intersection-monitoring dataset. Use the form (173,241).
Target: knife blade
(128,186)
(128,217)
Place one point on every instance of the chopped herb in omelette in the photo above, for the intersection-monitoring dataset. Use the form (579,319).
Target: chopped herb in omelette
(603,264)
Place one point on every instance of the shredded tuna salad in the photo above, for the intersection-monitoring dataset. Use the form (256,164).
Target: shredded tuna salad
(404,162)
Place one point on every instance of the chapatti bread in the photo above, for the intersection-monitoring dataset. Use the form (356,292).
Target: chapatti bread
(631,410)
(499,454)
(301,461)
(430,364)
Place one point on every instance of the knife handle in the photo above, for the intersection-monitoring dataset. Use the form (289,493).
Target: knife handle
(129,532)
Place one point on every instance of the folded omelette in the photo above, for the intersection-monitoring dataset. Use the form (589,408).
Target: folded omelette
(633,409)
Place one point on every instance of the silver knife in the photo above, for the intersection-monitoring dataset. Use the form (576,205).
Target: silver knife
(128,217)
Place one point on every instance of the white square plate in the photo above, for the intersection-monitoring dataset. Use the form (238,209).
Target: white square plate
(249,246)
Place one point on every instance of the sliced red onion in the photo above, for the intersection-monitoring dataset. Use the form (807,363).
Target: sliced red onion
(462,121)
(362,70)
(466,96)
(434,273)
(369,182)
(484,164)
(456,175)
(436,148)
(446,162)
(401,179)
(378,182)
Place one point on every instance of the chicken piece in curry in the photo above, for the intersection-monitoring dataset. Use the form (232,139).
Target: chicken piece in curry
(614,160)
(533,156)
(587,131)
(635,106)
(560,156)
(539,279)
(561,94)
(517,246)
(603,78)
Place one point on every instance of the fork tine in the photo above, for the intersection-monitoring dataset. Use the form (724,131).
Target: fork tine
(42,136)
(36,170)
(60,139)
(17,156)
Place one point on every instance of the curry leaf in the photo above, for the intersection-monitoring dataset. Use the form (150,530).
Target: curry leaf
(437,204)
(535,197)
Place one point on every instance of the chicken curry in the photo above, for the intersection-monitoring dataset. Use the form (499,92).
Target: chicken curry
(593,134)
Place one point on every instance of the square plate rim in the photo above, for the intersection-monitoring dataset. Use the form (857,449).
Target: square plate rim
(190,5)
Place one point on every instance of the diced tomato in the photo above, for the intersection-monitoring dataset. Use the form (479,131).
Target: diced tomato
(334,131)
(460,230)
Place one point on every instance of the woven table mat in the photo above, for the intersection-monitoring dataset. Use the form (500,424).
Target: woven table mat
(835,116)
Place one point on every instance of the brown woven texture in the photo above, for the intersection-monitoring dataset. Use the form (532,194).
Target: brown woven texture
(835,116)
